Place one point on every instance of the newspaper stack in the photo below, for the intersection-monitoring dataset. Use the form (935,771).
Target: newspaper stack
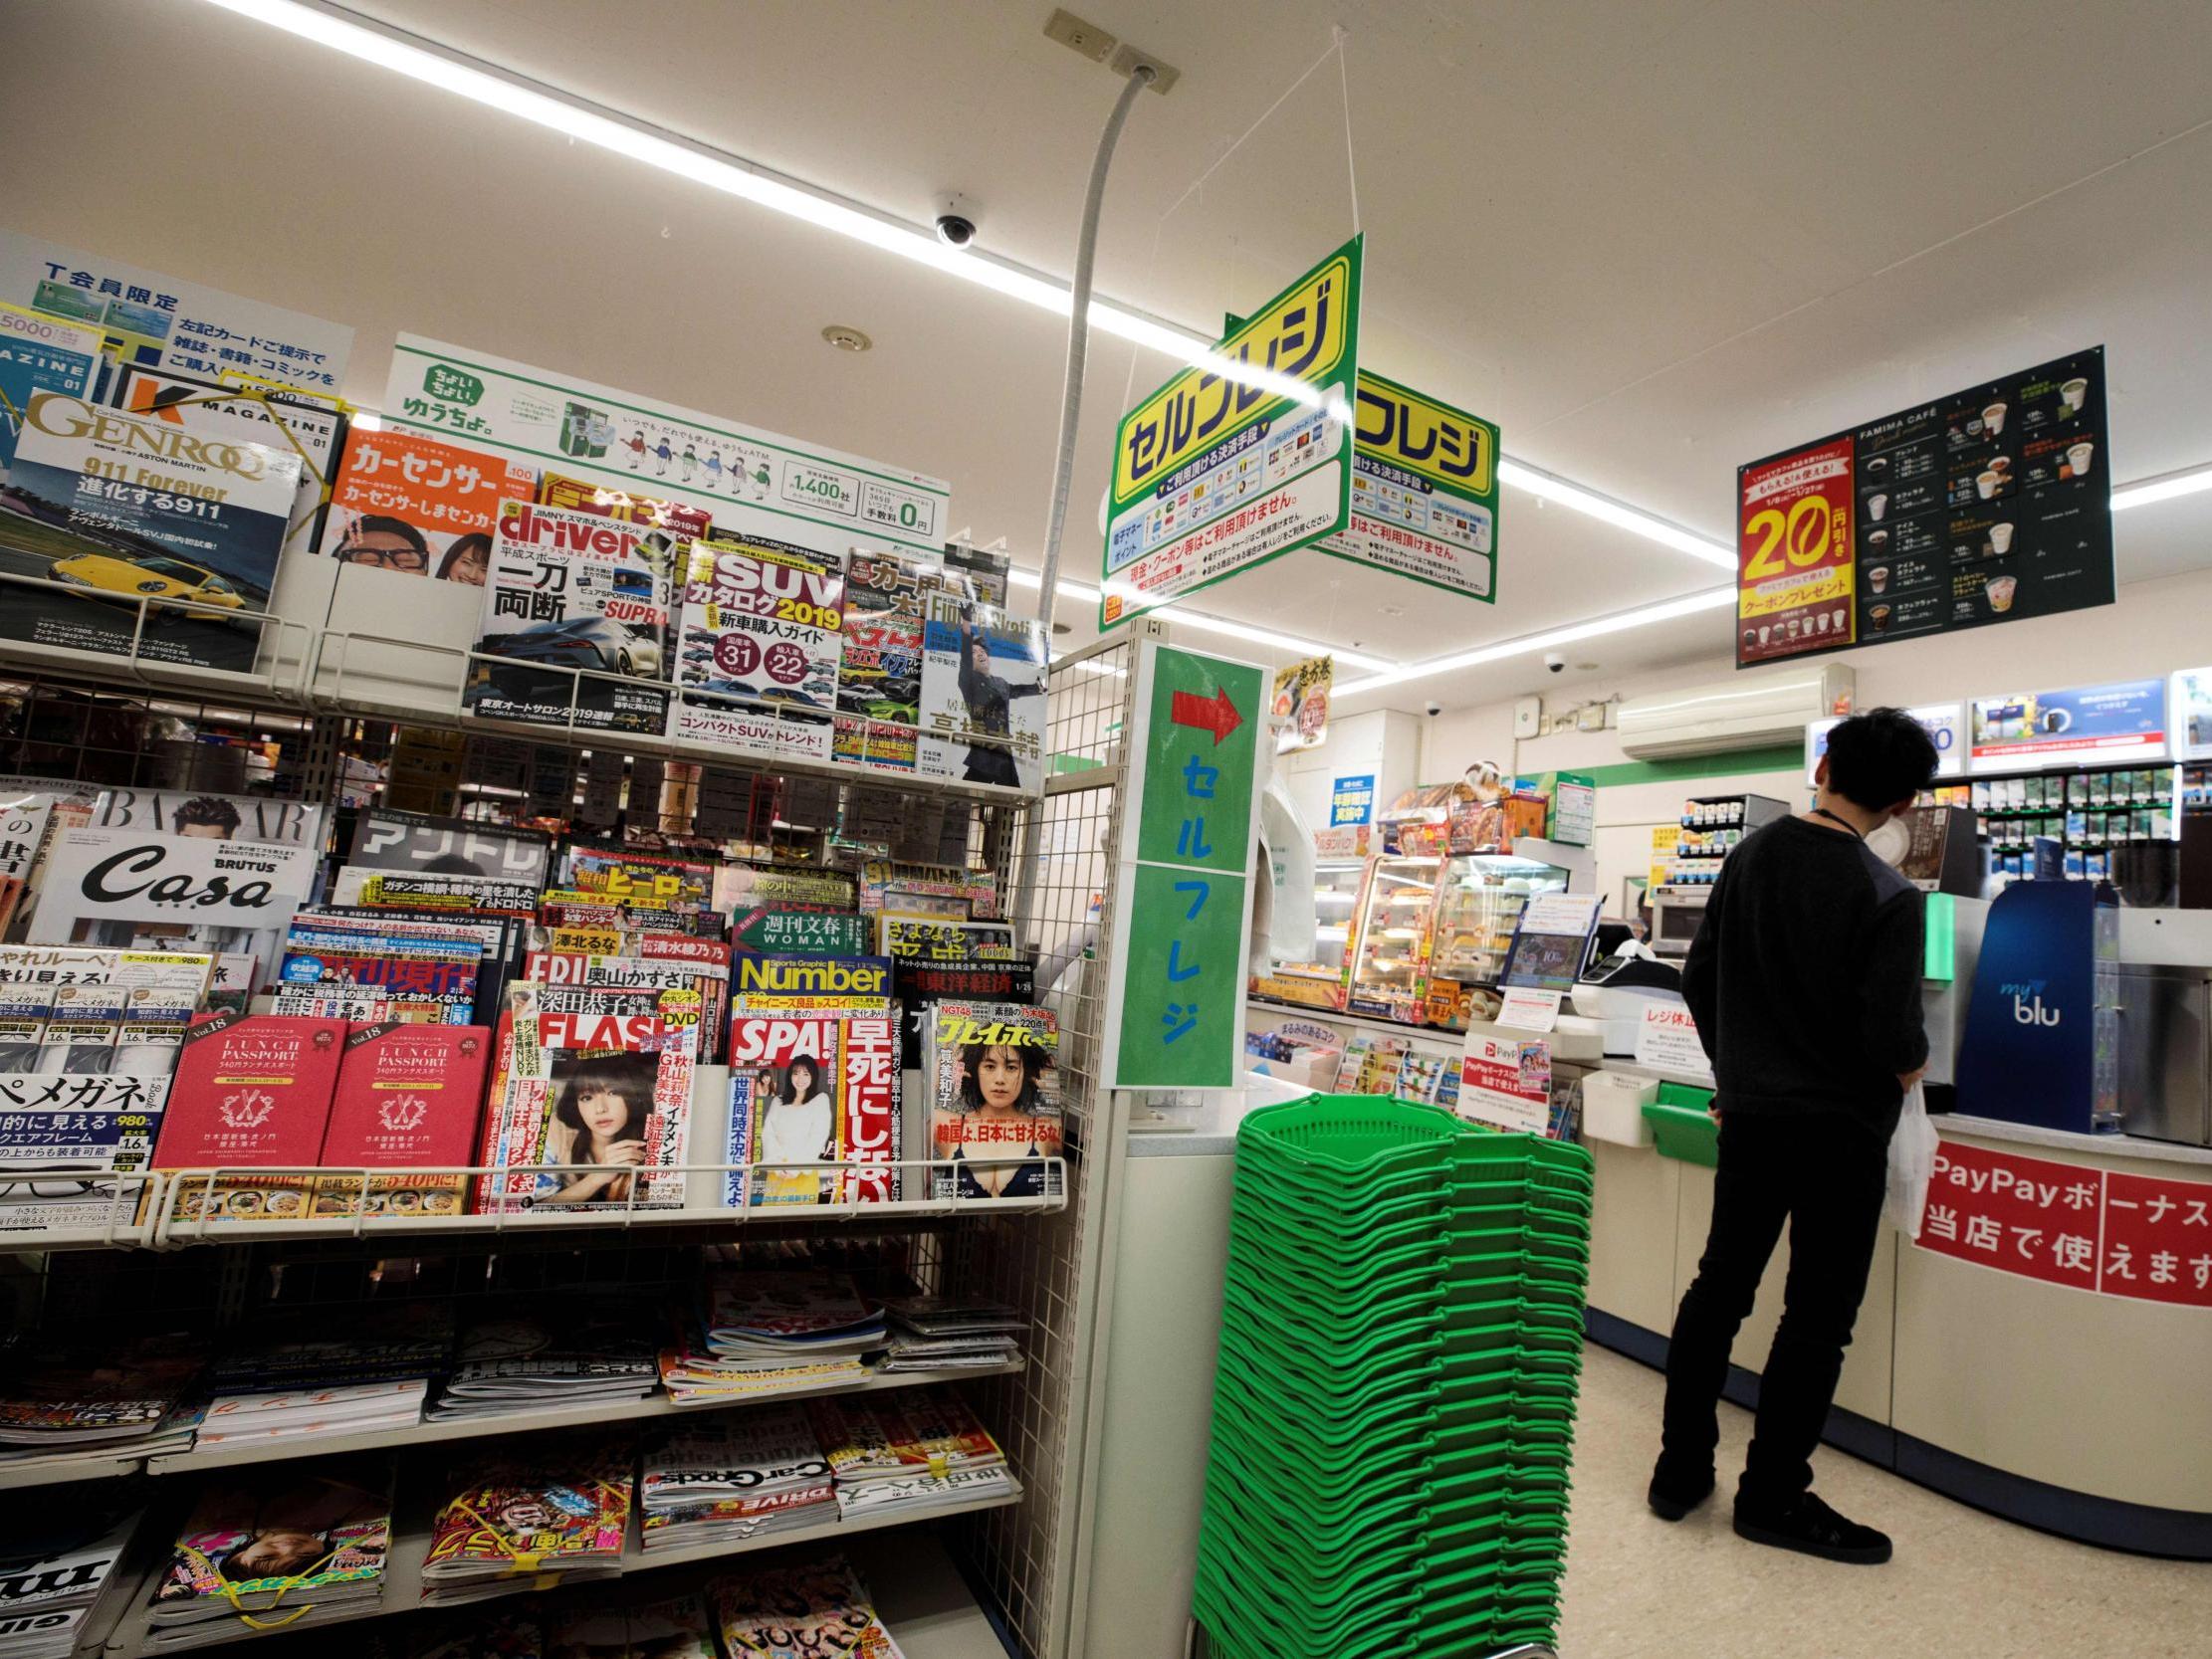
(299,1414)
(126,1397)
(557,1514)
(908,1454)
(532,1360)
(934,1333)
(54,1563)
(269,1545)
(806,1608)
(765,1334)
(739,1477)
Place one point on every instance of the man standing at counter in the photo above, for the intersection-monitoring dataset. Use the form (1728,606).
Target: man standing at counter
(1805,983)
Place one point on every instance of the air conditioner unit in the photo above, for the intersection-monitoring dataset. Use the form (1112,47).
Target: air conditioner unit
(1749,712)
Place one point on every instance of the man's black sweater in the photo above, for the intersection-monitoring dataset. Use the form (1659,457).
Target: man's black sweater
(1805,976)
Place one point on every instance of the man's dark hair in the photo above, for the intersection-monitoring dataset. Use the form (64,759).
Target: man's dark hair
(210,810)
(1879,758)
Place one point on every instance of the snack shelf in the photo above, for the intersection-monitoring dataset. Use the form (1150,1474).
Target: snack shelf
(71,1467)
(914,1583)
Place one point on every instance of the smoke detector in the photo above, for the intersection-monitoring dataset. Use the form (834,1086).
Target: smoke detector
(847,338)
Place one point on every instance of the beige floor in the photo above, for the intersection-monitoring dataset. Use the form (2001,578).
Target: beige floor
(1963,1585)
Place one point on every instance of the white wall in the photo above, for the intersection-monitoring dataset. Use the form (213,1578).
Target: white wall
(2155,628)
(1381,741)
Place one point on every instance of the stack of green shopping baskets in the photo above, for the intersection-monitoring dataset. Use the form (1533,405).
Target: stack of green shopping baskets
(1394,1407)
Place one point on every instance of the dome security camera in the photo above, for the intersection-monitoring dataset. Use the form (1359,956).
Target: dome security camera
(1555,662)
(1433,708)
(956,221)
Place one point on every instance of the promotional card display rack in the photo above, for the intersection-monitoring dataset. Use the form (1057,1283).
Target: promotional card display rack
(1041,1255)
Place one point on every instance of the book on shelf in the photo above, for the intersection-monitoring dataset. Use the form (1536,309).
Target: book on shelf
(813,1089)
(740,1475)
(264,1544)
(887,884)
(580,1351)
(738,884)
(806,1608)
(630,876)
(935,1334)
(672,1627)
(249,1093)
(409,1099)
(56,1564)
(494,938)
(976,572)
(983,696)
(410,504)
(586,1076)
(570,595)
(925,985)
(914,936)
(555,1509)
(994,1074)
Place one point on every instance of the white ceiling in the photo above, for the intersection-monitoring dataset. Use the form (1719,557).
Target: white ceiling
(1652,239)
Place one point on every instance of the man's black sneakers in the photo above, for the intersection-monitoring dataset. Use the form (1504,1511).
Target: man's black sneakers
(1671,1501)
(1811,1528)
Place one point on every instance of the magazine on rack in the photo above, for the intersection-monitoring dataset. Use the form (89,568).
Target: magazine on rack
(292,1351)
(345,1408)
(115,509)
(57,1395)
(881,676)
(916,1451)
(762,620)
(282,1538)
(251,1091)
(808,1091)
(571,592)
(418,506)
(674,1628)
(397,974)
(285,421)
(408,1097)
(983,696)
(805,1608)
(56,1561)
(557,1508)
(994,1074)
(580,1350)
(734,1476)
(420,844)
(583,1077)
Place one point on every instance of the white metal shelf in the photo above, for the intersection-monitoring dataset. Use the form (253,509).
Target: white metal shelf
(410,1544)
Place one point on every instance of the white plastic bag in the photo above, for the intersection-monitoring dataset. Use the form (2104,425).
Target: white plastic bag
(1911,1165)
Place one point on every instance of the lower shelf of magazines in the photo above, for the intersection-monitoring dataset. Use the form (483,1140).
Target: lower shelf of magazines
(65,1468)
(169,1209)
(918,1592)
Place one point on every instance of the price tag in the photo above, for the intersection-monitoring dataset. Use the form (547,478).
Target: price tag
(1530,1009)
(1667,1041)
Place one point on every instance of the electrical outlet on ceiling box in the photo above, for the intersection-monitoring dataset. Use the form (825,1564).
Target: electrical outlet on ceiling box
(1592,717)
(1087,38)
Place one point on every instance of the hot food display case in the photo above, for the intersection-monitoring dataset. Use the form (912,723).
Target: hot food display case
(1433,928)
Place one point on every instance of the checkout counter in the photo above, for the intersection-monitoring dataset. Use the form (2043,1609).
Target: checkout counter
(2081,1412)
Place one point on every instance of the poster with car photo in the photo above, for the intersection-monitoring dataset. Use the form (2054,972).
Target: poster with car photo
(571,595)
(116,511)
(419,506)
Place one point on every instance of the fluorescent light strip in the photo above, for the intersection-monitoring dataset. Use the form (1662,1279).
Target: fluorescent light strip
(1707,599)
(2164,487)
(1551,486)
(1089,595)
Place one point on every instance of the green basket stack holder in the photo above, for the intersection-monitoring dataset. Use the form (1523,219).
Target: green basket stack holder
(1394,1407)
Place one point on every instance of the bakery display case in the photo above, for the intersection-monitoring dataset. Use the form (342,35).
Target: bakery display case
(1432,925)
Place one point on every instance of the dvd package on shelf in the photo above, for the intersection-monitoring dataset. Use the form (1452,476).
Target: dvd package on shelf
(115,509)
(881,678)
(586,1077)
(807,1607)
(983,696)
(249,1093)
(108,1390)
(571,592)
(56,1562)
(744,1475)
(912,1452)
(580,1350)
(418,505)
(808,1091)
(994,1072)
(557,1512)
(265,1544)
(409,1099)
(416,842)
(287,422)
(674,1628)
(762,620)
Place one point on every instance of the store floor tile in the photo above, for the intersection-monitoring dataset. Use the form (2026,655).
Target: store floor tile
(1963,1585)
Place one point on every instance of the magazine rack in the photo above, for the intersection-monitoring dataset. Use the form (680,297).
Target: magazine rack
(1041,1255)
(279,640)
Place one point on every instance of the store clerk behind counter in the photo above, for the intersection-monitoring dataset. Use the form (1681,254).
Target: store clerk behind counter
(1805,983)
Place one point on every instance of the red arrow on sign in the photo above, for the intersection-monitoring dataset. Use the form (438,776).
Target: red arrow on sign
(1216,714)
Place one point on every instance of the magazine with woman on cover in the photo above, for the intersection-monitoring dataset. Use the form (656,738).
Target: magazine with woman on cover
(995,1113)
